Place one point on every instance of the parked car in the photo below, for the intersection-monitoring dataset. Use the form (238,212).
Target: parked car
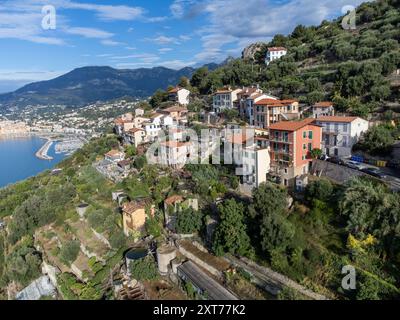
(324,157)
(335,160)
(374,172)
(355,165)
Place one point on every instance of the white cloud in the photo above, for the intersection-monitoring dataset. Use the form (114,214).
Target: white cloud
(89,32)
(113,43)
(235,23)
(164,50)
(28,75)
(162,40)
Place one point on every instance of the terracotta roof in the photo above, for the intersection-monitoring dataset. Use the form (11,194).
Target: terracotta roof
(323,104)
(113,153)
(119,121)
(239,138)
(292,125)
(174,144)
(131,207)
(174,109)
(274,103)
(248,91)
(336,119)
(134,130)
(173,199)
(175,90)
(155,115)
(277,49)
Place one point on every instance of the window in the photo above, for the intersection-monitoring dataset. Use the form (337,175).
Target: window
(304,134)
(309,146)
(310,134)
(304,146)
(345,127)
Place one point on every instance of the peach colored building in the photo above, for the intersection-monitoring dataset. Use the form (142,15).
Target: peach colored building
(175,154)
(269,111)
(291,143)
(134,216)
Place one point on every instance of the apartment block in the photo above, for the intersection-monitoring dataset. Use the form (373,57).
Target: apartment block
(340,134)
(291,143)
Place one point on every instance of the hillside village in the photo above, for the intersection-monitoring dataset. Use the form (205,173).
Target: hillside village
(225,190)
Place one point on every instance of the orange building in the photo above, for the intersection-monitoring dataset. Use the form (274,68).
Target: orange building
(291,143)
(269,111)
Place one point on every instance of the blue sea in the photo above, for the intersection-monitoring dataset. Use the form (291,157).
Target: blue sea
(18,160)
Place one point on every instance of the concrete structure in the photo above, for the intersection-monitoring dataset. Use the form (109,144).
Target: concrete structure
(165,254)
(274,53)
(203,283)
(134,216)
(174,154)
(323,109)
(179,95)
(225,99)
(152,130)
(291,143)
(340,134)
(39,288)
(175,204)
(139,112)
(135,136)
(177,113)
(269,111)
(81,209)
(254,159)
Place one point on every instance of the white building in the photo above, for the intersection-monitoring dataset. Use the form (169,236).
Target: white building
(174,154)
(224,99)
(339,134)
(179,95)
(152,130)
(323,109)
(274,53)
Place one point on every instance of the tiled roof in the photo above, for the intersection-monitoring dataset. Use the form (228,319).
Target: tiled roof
(174,109)
(323,104)
(131,207)
(134,130)
(291,125)
(239,138)
(277,49)
(274,103)
(112,153)
(173,199)
(175,90)
(336,119)
(174,144)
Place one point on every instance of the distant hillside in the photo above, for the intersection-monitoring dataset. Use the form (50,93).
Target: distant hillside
(91,84)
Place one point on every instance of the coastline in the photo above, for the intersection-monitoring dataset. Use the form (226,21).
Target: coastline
(42,152)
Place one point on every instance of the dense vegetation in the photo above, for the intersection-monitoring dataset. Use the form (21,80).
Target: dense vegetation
(357,224)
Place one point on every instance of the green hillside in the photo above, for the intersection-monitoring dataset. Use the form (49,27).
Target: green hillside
(354,68)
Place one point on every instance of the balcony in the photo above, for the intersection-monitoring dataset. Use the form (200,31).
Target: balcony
(281,140)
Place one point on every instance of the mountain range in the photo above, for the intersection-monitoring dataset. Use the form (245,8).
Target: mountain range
(87,85)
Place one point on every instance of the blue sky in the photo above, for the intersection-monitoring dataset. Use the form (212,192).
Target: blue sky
(141,33)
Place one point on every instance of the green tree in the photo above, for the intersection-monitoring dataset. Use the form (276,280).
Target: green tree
(269,207)
(69,251)
(188,221)
(320,189)
(230,235)
(377,140)
(198,76)
(144,269)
